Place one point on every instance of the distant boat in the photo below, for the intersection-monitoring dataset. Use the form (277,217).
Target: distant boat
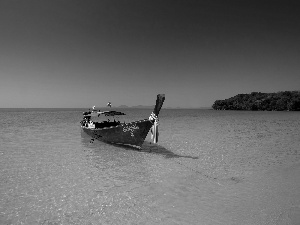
(133,133)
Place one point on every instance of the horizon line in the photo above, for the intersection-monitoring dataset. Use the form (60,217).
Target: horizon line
(141,107)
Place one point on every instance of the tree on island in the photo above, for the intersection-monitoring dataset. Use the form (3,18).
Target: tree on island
(257,101)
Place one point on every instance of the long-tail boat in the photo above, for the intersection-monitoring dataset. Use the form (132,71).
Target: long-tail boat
(133,133)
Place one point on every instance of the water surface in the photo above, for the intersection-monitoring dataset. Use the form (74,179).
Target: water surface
(209,167)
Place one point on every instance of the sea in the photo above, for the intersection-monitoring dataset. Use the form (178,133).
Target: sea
(209,168)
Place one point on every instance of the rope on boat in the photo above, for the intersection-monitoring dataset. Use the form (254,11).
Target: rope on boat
(153,118)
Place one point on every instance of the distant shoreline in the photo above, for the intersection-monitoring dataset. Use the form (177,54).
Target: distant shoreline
(257,101)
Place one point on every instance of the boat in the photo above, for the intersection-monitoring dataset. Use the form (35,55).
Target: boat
(115,132)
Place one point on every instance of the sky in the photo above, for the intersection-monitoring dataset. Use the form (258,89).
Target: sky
(80,53)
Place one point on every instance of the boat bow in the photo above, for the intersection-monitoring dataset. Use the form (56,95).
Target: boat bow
(154,117)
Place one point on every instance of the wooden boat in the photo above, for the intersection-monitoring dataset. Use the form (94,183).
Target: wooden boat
(133,133)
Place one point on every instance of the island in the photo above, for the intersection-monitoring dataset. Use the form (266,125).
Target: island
(257,101)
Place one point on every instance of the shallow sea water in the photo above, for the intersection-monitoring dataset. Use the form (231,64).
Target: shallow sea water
(209,167)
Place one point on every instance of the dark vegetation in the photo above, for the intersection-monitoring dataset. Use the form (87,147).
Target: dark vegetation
(257,101)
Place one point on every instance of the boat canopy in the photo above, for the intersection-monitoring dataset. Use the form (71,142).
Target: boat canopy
(105,113)
(112,113)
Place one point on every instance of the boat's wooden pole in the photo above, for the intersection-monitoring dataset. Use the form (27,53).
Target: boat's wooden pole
(154,129)
(159,102)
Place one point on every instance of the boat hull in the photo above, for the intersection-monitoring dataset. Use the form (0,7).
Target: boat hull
(133,133)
